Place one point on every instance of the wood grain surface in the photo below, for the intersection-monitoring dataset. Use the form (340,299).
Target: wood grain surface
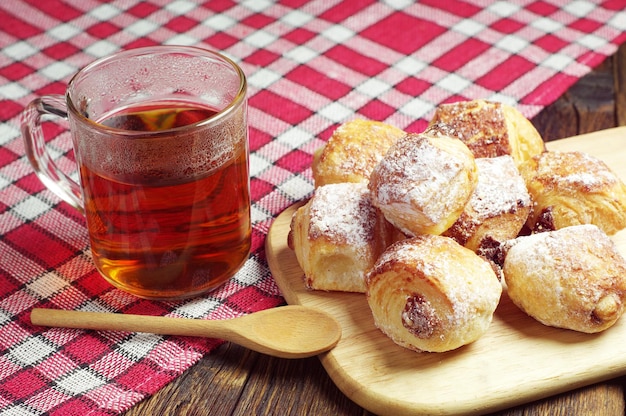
(234,381)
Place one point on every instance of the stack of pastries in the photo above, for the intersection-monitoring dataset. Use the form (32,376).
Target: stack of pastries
(433,226)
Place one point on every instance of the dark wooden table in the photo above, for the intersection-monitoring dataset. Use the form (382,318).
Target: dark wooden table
(235,381)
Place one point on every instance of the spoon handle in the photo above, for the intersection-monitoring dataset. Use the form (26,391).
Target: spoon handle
(128,322)
(292,331)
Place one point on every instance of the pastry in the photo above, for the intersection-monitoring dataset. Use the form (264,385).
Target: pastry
(423,183)
(489,129)
(352,151)
(571,188)
(428,293)
(571,278)
(498,208)
(337,236)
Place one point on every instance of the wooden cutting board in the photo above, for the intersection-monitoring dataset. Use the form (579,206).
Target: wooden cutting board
(517,361)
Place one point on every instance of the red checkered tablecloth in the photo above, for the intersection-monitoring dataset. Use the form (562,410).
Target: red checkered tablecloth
(311,65)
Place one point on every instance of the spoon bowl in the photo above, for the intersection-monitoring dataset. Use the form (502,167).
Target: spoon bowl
(291,331)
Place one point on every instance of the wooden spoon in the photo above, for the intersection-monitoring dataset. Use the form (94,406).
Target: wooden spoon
(292,331)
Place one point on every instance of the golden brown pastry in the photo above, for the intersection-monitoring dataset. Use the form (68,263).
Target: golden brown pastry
(571,188)
(352,151)
(571,278)
(489,129)
(337,236)
(423,183)
(497,209)
(428,293)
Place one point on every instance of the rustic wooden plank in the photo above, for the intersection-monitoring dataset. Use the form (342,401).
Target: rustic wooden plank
(605,399)
(619,73)
(593,98)
(296,387)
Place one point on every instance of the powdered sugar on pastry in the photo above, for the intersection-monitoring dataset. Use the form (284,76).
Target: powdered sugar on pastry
(428,293)
(342,213)
(573,188)
(575,170)
(489,129)
(479,124)
(422,184)
(417,171)
(352,151)
(498,208)
(572,278)
(500,187)
(337,236)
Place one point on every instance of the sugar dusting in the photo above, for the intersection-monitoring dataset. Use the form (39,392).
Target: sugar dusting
(343,213)
(555,251)
(417,173)
(575,170)
(572,277)
(500,187)
(466,292)
(365,142)
(480,124)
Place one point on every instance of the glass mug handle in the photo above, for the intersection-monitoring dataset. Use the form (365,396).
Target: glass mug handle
(46,169)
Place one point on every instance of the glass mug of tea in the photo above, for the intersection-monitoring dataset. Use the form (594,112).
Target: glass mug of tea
(161,141)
